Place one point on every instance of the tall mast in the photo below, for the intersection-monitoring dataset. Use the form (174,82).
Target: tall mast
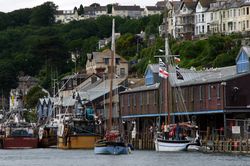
(111,76)
(166,81)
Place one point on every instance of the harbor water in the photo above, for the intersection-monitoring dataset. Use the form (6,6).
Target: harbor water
(55,157)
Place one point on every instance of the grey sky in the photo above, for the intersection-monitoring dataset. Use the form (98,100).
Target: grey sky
(10,5)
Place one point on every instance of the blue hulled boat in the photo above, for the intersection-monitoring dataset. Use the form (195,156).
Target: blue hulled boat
(110,147)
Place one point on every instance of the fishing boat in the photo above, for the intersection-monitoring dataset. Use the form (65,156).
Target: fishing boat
(47,124)
(47,136)
(77,130)
(16,133)
(76,134)
(19,136)
(172,137)
(113,142)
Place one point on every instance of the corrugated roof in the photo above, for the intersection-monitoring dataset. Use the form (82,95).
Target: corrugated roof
(142,88)
(192,77)
(100,89)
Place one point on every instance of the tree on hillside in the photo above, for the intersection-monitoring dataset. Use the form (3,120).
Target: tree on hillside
(33,96)
(8,76)
(43,15)
(19,17)
(109,7)
(4,21)
(80,10)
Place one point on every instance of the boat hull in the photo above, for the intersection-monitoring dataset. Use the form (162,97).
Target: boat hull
(77,142)
(171,146)
(114,148)
(20,142)
(47,142)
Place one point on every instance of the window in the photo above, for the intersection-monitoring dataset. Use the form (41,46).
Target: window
(117,61)
(209,92)
(211,16)
(128,99)
(234,12)
(218,91)
(203,29)
(122,71)
(141,99)
(122,102)
(247,10)
(247,23)
(134,100)
(147,98)
(200,90)
(106,61)
(202,17)
(155,97)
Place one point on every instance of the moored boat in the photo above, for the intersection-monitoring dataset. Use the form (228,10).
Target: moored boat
(113,142)
(19,137)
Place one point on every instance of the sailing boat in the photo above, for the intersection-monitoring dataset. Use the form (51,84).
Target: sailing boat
(113,142)
(175,135)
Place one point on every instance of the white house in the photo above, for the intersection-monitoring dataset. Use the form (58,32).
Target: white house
(65,16)
(201,17)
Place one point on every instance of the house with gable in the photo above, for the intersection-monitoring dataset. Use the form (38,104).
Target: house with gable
(100,62)
(185,19)
(202,17)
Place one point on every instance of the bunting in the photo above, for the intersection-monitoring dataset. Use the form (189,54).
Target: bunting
(163,69)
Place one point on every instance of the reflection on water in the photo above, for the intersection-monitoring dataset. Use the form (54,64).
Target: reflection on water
(55,157)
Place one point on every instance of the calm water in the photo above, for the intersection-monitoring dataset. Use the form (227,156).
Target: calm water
(54,157)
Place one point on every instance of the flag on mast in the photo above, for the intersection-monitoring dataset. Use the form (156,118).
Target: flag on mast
(163,69)
(179,76)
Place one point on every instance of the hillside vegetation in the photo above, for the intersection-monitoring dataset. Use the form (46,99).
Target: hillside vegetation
(32,44)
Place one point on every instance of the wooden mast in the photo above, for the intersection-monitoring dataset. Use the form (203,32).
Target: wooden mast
(111,77)
(166,81)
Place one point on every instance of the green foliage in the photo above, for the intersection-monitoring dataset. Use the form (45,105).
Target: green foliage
(43,15)
(109,7)
(33,96)
(81,10)
(216,51)
(30,116)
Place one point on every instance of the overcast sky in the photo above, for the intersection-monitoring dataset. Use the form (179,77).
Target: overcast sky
(10,5)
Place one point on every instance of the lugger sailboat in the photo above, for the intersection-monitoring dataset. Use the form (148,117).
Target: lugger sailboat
(181,135)
(112,142)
